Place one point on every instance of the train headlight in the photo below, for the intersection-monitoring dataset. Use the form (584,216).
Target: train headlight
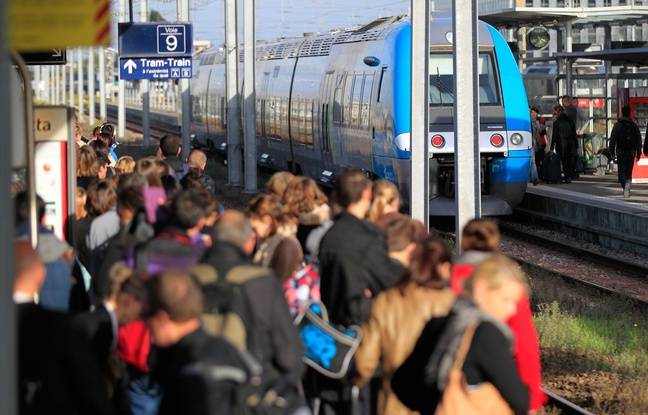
(437,141)
(497,140)
(516,139)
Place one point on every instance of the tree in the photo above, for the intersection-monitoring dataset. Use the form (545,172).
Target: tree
(155,16)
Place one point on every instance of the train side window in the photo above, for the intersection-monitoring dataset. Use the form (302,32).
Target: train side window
(366,100)
(347,99)
(357,97)
(338,102)
(275,72)
(308,122)
(380,84)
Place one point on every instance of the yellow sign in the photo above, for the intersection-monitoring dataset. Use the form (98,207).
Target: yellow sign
(52,124)
(36,25)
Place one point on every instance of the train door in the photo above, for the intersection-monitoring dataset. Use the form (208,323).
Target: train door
(326,122)
(336,135)
(639,114)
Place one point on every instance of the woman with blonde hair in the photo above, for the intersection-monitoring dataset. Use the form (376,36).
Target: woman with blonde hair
(87,167)
(477,320)
(278,183)
(125,164)
(304,199)
(386,201)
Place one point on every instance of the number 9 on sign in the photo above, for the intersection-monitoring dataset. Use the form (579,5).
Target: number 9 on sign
(171,43)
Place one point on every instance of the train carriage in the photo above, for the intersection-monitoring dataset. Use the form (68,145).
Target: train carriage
(329,101)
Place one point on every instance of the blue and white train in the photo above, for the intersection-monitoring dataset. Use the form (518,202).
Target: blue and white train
(328,101)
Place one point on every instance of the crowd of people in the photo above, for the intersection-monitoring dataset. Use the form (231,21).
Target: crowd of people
(567,125)
(165,302)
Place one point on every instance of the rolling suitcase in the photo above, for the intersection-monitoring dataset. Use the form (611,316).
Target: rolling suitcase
(551,168)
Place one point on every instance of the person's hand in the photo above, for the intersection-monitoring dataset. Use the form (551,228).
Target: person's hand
(367,293)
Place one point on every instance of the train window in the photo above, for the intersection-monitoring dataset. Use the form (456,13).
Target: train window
(366,100)
(442,80)
(337,104)
(347,99)
(357,97)
(308,122)
(275,72)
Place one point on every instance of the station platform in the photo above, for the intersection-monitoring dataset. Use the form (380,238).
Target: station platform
(593,209)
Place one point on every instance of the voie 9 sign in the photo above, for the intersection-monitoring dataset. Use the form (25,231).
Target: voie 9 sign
(148,40)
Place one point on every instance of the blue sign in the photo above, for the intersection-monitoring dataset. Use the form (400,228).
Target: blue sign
(138,40)
(155,68)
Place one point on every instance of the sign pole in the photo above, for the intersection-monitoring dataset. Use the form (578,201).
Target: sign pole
(71,91)
(80,83)
(144,88)
(466,120)
(63,84)
(185,93)
(234,162)
(8,344)
(102,84)
(249,96)
(419,191)
(121,105)
(91,85)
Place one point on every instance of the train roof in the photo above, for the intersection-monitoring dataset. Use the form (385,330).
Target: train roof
(320,44)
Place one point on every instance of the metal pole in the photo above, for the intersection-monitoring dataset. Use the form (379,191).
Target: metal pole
(80,83)
(63,84)
(249,96)
(102,84)
(8,346)
(234,162)
(91,85)
(144,88)
(71,97)
(185,93)
(466,119)
(121,104)
(419,171)
(57,85)
(37,81)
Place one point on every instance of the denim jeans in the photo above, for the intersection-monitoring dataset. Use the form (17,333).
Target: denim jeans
(144,397)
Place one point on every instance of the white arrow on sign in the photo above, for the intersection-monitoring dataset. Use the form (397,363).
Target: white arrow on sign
(130,66)
(57,53)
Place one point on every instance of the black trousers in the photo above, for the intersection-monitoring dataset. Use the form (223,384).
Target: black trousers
(569,165)
(539,159)
(625,163)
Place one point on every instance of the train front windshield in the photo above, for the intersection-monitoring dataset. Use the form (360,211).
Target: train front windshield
(442,80)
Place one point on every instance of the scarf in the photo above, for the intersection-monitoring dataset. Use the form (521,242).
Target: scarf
(464,314)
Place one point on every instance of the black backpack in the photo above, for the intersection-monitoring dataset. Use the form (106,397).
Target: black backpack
(227,312)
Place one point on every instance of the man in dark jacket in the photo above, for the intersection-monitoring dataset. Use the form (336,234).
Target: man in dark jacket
(169,151)
(354,265)
(199,373)
(272,338)
(625,143)
(565,143)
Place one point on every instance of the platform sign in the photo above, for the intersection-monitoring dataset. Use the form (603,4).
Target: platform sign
(155,51)
(155,68)
(55,175)
(37,25)
(137,40)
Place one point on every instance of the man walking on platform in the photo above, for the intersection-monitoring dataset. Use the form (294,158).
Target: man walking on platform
(625,143)
(564,142)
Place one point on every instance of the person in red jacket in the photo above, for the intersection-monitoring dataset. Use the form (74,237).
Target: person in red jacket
(480,238)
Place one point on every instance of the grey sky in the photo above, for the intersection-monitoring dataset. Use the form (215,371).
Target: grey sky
(276,18)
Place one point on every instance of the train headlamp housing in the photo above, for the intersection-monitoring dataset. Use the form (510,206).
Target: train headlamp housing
(437,141)
(516,139)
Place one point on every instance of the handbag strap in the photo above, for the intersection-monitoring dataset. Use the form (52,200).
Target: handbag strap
(464,347)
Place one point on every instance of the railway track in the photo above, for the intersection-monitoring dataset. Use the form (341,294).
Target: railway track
(160,124)
(566,407)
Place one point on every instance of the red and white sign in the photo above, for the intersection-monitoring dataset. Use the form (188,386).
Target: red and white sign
(53,164)
(640,170)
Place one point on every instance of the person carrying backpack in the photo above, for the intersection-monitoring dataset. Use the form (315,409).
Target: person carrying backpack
(625,142)
(565,143)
